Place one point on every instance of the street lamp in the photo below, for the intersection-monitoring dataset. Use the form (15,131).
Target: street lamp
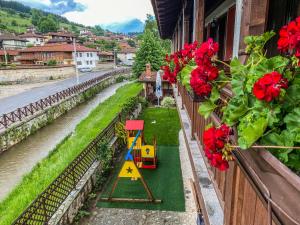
(115,58)
(75,60)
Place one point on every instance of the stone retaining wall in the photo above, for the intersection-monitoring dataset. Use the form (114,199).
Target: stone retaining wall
(23,129)
(29,75)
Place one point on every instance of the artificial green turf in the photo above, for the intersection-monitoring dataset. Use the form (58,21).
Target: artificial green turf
(49,168)
(163,124)
(165,182)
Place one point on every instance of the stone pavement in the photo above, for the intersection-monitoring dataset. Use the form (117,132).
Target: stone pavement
(111,216)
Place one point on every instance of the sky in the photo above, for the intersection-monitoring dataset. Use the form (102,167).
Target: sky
(93,12)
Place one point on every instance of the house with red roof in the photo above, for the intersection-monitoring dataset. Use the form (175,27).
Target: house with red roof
(63,54)
(9,56)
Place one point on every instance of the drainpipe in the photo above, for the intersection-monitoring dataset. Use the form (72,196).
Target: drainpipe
(237,28)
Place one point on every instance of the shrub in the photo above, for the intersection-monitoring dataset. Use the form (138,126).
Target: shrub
(120,79)
(168,102)
(52,62)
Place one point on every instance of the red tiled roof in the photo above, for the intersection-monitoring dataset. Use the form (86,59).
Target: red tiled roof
(105,53)
(9,52)
(59,48)
(29,35)
(151,78)
(62,34)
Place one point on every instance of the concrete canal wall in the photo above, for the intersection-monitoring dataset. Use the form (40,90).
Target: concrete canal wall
(30,125)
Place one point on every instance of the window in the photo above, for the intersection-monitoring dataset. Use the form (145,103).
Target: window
(76,54)
(80,54)
(87,62)
(91,62)
(280,13)
(79,63)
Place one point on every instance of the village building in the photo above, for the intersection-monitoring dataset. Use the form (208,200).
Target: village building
(126,56)
(59,37)
(148,78)
(33,39)
(9,56)
(9,41)
(105,56)
(63,54)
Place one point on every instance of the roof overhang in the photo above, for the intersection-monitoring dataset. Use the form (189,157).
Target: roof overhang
(167,13)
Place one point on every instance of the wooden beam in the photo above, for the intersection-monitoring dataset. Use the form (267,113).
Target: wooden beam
(198,20)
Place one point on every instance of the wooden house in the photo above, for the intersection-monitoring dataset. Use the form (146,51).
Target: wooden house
(257,189)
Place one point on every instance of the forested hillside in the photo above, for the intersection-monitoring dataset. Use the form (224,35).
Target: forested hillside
(16,17)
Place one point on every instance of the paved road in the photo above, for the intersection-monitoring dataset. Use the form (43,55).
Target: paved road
(11,103)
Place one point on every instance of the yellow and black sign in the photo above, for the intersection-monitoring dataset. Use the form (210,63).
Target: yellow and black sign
(130,170)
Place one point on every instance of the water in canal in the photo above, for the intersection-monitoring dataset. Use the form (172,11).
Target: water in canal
(21,158)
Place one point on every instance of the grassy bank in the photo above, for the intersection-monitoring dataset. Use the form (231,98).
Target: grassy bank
(165,182)
(49,168)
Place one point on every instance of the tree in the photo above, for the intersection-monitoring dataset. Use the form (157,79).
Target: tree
(97,30)
(36,16)
(150,51)
(131,43)
(151,25)
(48,24)
(14,23)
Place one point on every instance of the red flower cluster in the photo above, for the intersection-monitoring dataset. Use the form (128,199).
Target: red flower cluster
(269,86)
(205,72)
(289,38)
(178,60)
(214,142)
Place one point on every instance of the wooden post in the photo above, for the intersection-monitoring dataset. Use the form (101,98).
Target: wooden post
(198,34)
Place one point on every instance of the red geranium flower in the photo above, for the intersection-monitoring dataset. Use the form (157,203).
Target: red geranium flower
(289,38)
(269,86)
(214,140)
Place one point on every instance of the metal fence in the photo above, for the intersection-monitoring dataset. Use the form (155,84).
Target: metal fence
(19,114)
(46,204)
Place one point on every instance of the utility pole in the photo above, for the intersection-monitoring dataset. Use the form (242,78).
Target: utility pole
(5,54)
(75,60)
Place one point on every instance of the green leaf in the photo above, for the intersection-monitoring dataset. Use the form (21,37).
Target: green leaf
(292,96)
(238,73)
(206,108)
(215,95)
(250,134)
(236,108)
(292,120)
(185,75)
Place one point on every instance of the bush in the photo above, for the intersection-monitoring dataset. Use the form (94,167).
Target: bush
(144,102)
(168,102)
(120,79)
(52,62)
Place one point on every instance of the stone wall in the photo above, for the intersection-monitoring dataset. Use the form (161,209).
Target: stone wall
(23,129)
(39,74)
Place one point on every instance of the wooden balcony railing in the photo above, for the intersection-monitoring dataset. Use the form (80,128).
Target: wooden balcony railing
(257,189)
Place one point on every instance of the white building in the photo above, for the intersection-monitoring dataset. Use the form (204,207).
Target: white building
(86,59)
(33,39)
(8,41)
(126,56)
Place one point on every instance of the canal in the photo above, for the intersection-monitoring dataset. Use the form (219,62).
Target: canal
(21,158)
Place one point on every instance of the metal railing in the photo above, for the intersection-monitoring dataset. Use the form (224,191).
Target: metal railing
(40,211)
(19,114)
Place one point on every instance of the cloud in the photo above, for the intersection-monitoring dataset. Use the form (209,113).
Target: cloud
(59,7)
(110,11)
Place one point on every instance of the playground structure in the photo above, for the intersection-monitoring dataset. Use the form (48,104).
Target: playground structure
(138,156)
(144,156)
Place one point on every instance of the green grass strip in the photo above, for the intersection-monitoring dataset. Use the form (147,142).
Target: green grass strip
(165,182)
(49,168)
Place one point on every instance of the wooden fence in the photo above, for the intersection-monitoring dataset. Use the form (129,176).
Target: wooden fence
(256,189)
(19,114)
